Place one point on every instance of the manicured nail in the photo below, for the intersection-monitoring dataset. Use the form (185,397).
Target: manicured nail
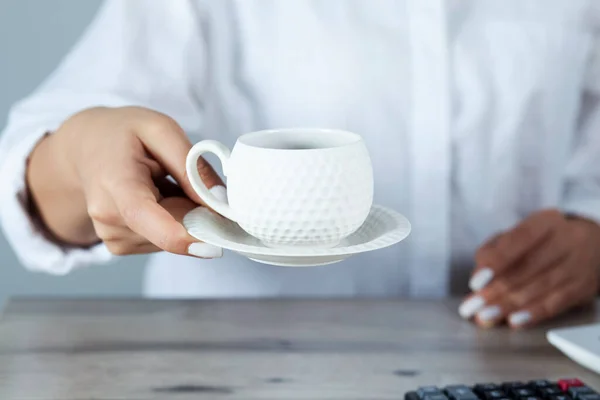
(488,314)
(205,250)
(481,279)
(219,192)
(468,308)
(519,318)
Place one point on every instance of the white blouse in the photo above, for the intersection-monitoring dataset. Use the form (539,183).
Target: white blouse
(475,113)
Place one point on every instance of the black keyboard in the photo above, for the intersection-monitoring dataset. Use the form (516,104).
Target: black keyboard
(564,389)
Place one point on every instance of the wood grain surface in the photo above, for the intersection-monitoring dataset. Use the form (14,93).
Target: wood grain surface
(261,349)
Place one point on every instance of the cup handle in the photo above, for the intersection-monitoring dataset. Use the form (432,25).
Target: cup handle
(191,166)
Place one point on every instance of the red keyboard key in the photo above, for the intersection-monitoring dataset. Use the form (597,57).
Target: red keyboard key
(565,384)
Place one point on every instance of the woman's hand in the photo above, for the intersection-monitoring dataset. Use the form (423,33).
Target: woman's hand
(543,267)
(103,176)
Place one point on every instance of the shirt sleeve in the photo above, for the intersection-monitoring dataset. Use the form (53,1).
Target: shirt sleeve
(135,52)
(581,190)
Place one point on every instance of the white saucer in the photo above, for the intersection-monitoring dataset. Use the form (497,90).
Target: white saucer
(383,228)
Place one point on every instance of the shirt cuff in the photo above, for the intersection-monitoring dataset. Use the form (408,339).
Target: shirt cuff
(585,208)
(33,249)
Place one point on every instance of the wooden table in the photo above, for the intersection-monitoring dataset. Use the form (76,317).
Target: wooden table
(267,349)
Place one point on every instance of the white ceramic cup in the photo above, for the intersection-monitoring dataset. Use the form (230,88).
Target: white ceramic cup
(292,187)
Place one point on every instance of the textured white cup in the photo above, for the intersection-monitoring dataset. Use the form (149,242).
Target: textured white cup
(292,187)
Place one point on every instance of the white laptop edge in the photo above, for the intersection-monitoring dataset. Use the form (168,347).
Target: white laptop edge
(577,348)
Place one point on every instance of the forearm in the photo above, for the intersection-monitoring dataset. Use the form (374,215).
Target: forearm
(56,196)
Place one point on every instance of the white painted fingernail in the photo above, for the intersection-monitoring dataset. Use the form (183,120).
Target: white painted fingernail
(489,313)
(205,250)
(219,192)
(519,318)
(468,308)
(481,279)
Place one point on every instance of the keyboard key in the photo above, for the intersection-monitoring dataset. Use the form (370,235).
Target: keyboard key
(550,391)
(494,394)
(428,390)
(590,396)
(577,391)
(513,385)
(522,392)
(538,389)
(565,384)
(484,387)
(439,396)
(460,392)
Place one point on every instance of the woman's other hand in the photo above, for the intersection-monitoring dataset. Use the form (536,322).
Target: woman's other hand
(103,176)
(543,267)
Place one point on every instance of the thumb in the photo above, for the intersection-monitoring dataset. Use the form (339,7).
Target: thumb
(169,145)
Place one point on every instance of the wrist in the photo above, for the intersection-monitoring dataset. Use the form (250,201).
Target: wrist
(57,201)
(592,232)
(62,148)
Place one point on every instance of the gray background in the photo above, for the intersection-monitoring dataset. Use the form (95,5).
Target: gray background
(34,36)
